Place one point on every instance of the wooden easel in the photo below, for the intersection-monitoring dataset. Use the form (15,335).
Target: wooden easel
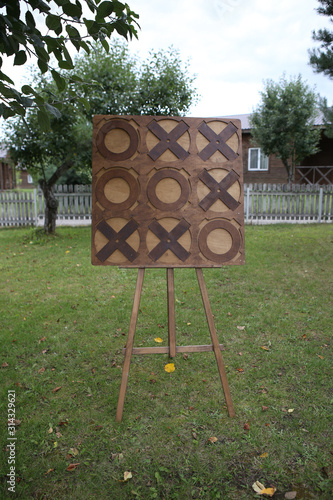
(172,348)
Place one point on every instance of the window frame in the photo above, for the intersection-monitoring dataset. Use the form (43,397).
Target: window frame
(258,169)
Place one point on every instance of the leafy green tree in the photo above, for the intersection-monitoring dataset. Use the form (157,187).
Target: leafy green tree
(283,122)
(160,85)
(48,155)
(122,86)
(164,85)
(322,59)
(327,116)
(41,29)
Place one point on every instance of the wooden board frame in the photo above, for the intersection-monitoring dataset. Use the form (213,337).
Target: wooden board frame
(167,192)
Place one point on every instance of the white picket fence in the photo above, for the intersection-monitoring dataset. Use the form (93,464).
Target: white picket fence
(74,205)
(296,203)
(264,204)
(18,208)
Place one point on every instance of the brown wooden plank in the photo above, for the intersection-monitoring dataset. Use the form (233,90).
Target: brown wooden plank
(129,345)
(216,345)
(180,348)
(171,312)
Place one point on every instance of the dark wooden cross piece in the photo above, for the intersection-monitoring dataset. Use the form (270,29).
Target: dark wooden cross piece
(169,240)
(168,140)
(217,142)
(117,241)
(172,349)
(218,190)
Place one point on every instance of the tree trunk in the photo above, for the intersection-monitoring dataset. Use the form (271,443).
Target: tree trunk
(290,171)
(51,208)
(51,202)
(291,176)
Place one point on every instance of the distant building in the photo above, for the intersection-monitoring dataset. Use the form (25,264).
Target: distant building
(258,168)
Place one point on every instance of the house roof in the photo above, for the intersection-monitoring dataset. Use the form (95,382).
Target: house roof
(245,120)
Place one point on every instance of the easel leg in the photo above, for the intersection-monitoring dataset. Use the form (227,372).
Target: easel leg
(171,313)
(129,345)
(215,342)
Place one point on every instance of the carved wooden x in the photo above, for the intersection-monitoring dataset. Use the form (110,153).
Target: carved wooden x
(117,240)
(168,140)
(217,142)
(169,240)
(218,190)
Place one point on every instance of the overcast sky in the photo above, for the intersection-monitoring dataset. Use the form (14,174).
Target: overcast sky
(234,45)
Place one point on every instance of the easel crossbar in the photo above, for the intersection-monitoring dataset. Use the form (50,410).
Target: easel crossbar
(166,349)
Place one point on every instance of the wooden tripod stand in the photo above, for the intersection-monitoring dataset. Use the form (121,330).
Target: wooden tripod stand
(172,349)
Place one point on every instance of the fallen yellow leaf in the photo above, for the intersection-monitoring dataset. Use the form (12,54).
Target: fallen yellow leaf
(127,475)
(188,324)
(264,348)
(158,339)
(268,491)
(261,490)
(170,367)
(264,455)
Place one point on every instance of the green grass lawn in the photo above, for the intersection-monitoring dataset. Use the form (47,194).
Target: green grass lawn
(63,326)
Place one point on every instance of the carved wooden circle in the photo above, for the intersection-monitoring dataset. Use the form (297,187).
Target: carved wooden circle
(117,155)
(168,174)
(219,258)
(123,175)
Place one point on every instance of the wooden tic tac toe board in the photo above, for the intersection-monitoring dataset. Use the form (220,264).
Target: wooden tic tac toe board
(167,192)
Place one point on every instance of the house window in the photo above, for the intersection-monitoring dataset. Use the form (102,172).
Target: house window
(30,179)
(257,160)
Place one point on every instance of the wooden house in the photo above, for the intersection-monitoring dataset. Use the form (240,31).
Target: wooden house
(258,168)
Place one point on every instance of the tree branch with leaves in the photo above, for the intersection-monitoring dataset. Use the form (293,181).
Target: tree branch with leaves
(41,30)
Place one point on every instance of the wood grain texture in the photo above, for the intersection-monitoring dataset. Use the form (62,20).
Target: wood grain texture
(178,349)
(215,342)
(171,313)
(178,180)
(129,345)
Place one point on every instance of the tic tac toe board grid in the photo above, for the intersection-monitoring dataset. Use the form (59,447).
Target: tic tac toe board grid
(167,192)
